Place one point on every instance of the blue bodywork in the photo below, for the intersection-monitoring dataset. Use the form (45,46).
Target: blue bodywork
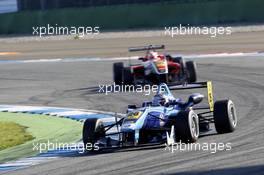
(154,116)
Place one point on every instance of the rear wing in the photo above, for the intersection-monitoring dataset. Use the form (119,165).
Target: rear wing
(143,48)
(208,85)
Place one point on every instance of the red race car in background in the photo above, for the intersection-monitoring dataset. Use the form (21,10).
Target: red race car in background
(155,68)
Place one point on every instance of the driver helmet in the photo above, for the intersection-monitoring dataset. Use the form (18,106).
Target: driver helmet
(159,100)
(152,55)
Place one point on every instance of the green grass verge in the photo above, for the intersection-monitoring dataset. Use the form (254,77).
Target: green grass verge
(12,134)
(138,15)
(42,128)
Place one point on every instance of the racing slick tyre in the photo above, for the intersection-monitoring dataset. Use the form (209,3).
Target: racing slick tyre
(186,126)
(93,129)
(191,68)
(225,118)
(127,76)
(118,72)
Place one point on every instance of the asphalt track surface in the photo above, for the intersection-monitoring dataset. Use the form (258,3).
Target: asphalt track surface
(116,44)
(67,85)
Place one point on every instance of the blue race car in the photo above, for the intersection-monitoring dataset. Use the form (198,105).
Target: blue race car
(150,123)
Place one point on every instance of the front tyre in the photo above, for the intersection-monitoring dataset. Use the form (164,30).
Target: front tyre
(93,130)
(186,126)
(225,117)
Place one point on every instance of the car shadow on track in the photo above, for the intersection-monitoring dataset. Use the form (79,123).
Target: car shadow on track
(108,151)
(124,149)
(118,150)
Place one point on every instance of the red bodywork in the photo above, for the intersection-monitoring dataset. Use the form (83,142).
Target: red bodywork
(173,67)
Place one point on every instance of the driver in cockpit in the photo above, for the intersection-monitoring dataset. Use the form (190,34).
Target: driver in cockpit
(162,100)
(159,100)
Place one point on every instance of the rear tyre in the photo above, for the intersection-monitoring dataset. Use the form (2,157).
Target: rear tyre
(191,68)
(118,72)
(186,126)
(93,129)
(225,118)
(127,76)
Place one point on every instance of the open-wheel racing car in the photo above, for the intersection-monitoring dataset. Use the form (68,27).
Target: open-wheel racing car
(155,68)
(150,123)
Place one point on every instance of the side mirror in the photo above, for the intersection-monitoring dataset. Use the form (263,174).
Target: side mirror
(195,98)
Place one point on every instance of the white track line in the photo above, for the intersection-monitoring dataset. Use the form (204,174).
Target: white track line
(51,154)
(240,54)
